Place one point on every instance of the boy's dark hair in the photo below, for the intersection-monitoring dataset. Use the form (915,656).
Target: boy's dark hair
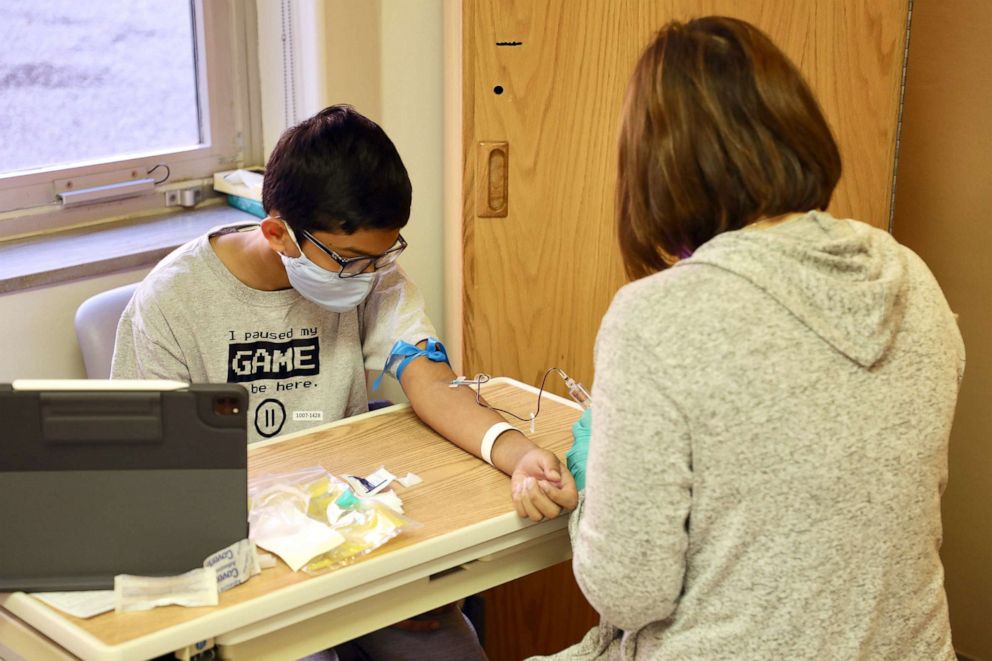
(719,130)
(337,172)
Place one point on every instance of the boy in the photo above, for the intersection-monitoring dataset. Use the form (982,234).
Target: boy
(297,307)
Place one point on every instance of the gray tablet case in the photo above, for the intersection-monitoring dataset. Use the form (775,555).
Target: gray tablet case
(98,483)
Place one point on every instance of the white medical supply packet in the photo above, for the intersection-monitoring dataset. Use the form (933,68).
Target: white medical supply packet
(234,565)
(371,485)
(194,588)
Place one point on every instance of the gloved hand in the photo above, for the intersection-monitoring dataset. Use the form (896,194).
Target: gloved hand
(576,455)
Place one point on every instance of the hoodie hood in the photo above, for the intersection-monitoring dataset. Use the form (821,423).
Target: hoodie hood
(843,279)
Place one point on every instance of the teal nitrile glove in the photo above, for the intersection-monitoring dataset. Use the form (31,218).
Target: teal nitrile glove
(576,455)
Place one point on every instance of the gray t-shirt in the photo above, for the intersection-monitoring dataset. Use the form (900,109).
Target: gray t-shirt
(192,320)
(768,452)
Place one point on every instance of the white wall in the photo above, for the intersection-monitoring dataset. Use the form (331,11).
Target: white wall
(412,98)
(37,332)
(385,58)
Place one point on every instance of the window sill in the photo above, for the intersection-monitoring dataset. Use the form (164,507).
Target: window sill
(83,253)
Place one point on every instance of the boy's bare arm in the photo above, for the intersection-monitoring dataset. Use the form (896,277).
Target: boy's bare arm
(454,413)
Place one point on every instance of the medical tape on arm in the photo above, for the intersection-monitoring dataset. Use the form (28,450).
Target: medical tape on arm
(403,352)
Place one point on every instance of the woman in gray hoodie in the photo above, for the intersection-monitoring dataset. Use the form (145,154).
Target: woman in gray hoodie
(774,389)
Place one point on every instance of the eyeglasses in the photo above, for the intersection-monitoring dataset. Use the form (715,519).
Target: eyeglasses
(352,266)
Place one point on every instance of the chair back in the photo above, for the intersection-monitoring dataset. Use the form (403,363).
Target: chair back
(96,328)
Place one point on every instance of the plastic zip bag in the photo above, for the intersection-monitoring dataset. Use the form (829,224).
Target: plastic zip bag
(314,520)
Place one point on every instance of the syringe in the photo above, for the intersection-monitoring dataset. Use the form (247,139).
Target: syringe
(576,391)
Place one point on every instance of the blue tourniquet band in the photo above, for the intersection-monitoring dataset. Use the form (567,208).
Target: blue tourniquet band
(404,352)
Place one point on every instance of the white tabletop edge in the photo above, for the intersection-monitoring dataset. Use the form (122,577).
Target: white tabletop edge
(50,622)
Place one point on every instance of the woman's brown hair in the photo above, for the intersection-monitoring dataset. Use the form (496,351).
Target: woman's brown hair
(719,130)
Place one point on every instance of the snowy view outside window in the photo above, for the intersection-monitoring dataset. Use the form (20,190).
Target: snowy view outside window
(100,80)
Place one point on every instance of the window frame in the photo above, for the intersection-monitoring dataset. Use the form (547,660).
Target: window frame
(226,55)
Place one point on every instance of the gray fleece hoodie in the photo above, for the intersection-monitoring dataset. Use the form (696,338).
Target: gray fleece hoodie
(768,452)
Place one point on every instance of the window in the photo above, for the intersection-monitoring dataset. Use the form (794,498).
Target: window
(143,96)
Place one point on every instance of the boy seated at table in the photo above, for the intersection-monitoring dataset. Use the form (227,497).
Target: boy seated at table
(298,306)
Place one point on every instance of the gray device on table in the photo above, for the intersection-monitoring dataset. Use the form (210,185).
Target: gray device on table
(95,483)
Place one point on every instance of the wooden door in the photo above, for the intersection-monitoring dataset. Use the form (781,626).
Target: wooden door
(547,77)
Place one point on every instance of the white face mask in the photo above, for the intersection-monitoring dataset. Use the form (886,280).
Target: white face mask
(323,287)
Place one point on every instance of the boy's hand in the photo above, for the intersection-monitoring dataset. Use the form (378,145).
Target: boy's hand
(576,455)
(542,487)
